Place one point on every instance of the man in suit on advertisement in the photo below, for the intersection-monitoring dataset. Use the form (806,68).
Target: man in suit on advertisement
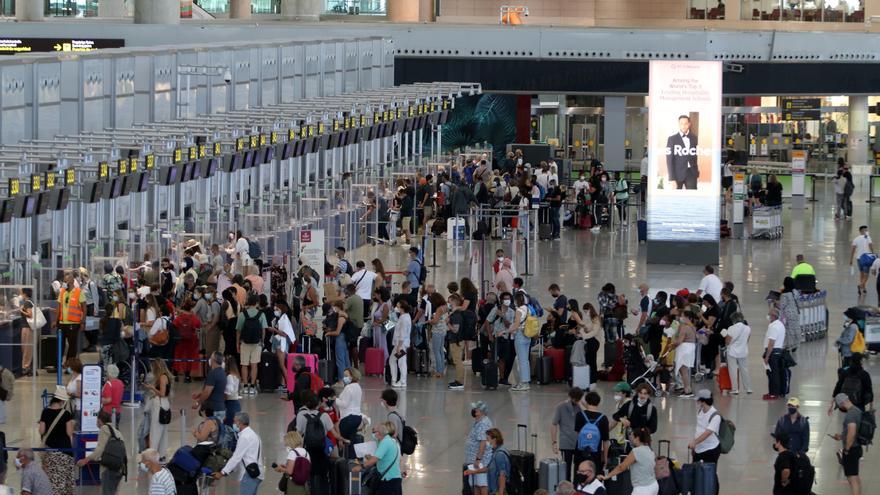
(681,155)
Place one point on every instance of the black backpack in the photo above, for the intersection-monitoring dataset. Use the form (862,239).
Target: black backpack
(867,425)
(251,329)
(313,440)
(114,457)
(468,328)
(255,251)
(423,272)
(351,332)
(348,267)
(852,387)
(409,437)
(804,474)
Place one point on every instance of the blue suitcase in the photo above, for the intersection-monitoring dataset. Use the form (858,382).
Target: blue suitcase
(685,478)
(706,478)
(643,230)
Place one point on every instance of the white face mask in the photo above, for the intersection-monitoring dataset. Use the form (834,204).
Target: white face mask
(209,297)
(17,463)
(501,258)
(346,380)
(277,314)
(768,317)
(642,401)
(506,302)
(143,467)
(618,397)
(64,285)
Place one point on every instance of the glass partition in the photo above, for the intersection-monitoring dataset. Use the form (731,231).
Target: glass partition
(7,8)
(355,7)
(803,10)
(791,10)
(697,9)
(71,8)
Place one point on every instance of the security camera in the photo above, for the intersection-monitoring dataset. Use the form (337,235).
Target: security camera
(227,76)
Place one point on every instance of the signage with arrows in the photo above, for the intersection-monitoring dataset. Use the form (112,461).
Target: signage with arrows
(11,46)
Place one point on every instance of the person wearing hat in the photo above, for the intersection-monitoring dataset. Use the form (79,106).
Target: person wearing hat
(56,428)
(477,448)
(848,336)
(785,466)
(705,445)
(795,427)
(622,397)
(851,450)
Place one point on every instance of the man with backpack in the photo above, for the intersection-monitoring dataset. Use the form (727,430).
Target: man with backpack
(415,272)
(405,435)
(851,451)
(314,425)
(592,428)
(793,474)
(109,453)
(856,383)
(250,330)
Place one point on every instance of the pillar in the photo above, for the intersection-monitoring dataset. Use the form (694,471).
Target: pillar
(239,9)
(29,10)
(113,9)
(302,10)
(615,133)
(426,11)
(403,10)
(157,12)
(857,138)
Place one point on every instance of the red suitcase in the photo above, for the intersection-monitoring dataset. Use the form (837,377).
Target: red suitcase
(724,383)
(374,364)
(558,356)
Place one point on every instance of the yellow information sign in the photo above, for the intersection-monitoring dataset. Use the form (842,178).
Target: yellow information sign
(133,164)
(203,150)
(150,161)
(14,188)
(70,177)
(103,170)
(122,166)
(218,148)
(36,183)
(178,156)
(50,180)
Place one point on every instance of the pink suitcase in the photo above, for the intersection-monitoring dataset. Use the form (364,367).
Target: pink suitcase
(375,362)
(311,363)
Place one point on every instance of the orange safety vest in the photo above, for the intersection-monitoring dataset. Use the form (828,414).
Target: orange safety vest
(73,310)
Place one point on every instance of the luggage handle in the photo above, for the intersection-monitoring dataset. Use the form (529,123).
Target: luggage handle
(520,428)
(660,448)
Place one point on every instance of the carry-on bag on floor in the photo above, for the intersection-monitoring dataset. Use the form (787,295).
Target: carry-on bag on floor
(580,377)
(489,376)
(466,488)
(705,479)
(551,472)
(363,344)
(557,357)
(374,361)
(724,383)
(477,356)
(268,372)
(544,371)
(642,226)
(311,362)
(522,462)
(585,221)
(327,367)
(619,485)
(420,365)
(342,480)
(663,470)
(603,214)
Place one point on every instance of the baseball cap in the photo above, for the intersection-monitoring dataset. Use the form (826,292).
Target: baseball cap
(794,401)
(703,394)
(622,387)
(840,398)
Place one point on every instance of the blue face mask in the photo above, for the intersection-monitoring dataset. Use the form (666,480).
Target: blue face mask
(346,380)
(235,428)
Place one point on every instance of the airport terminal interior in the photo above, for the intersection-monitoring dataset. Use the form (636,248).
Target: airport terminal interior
(672,146)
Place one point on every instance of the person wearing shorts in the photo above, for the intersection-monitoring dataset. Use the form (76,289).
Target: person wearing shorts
(250,346)
(851,451)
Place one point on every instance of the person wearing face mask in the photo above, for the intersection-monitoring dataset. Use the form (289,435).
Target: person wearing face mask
(706,446)
(349,404)
(784,469)
(248,452)
(477,448)
(186,350)
(284,337)
(847,337)
(862,245)
(118,315)
(70,319)
(562,433)
(402,330)
(313,438)
(638,413)
(499,468)
(498,322)
(795,427)
(109,478)
(33,479)
(736,338)
(208,311)
(640,463)
(585,480)
(161,480)
(439,323)
(774,341)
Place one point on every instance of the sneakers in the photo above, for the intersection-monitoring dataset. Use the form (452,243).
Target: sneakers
(596,229)
(686,395)
(456,385)
(769,397)
(466,362)
(520,387)
(398,385)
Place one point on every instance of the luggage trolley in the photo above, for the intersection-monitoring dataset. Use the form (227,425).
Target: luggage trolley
(767,222)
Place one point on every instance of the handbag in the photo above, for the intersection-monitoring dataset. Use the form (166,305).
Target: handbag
(38,321)
(788,359)
(164,413)
(52,426)
(253,469)
(372,478)
(282,484)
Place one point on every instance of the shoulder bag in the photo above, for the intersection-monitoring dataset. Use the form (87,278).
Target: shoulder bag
(53,425)
(372,478)
(253,469)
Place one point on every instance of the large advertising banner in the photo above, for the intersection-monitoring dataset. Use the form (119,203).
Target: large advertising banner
(684,132)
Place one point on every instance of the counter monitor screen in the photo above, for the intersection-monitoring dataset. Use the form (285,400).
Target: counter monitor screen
(59,199)
(92,192)
(209,167)
(357,137)
(324,143)
(371,132)
(408,125)
(113,189)
(396,126)
(6,210)
(444,117)
(286,150)
(25,206)
(386,129)
(195,171)
(43,202)
(169,176)
(334,141)
(343,138)
(270,154)
(249,159)
(298,148)
(143,182)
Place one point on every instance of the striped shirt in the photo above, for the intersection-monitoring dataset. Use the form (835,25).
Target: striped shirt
(35,481)
(162,483)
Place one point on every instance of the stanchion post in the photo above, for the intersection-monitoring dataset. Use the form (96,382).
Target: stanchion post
(433,251)
(526,273)
(870,189)
(60,350)
(813,189)
(132,384)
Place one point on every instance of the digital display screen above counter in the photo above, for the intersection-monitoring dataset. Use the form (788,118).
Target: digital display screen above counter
(12,46)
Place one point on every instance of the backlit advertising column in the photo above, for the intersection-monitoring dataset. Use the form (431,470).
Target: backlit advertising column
(684,183)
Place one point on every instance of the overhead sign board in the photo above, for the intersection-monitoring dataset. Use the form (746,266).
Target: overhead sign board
(801,109)
(11,46)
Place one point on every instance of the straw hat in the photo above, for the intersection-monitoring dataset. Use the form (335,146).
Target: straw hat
(61,393)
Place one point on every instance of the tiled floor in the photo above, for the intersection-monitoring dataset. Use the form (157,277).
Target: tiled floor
(581,262)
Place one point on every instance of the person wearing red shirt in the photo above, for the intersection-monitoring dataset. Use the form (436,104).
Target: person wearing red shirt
(187,348)
(111,393)
(327,396)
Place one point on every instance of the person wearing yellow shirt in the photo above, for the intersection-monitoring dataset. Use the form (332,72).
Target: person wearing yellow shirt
(70,318)
(802,268)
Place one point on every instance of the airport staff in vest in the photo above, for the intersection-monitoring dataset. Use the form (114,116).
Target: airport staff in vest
(70,318)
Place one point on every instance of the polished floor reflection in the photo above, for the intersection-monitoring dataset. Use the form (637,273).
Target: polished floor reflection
(581,262)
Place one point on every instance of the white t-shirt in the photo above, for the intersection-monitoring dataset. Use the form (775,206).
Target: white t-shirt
(242,249)
(643,166)
(775,331)
(862,243)
(543,179)
(363,281)
(580,185)
(703,424)
(231,390)
(292,454)
(739,340)
(158,325)
(712,285)
(71,389)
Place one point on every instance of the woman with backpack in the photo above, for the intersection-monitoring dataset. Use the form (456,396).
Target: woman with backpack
(522,344)
(108,453)
(297,467)
(621,197)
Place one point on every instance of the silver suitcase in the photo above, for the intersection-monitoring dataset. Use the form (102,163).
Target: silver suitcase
(551,472)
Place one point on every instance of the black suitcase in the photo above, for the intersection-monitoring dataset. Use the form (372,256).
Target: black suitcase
(545,231)
(48,352)
(525,477)
(544,373)
(342,480)
(327,367)
(489,375)
(268,373)
(466,488)
(477,359)
(363,344)
(643,230)
(610,354)
(418,361)
(603,214)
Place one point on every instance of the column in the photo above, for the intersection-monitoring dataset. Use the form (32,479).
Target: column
(615,133)
(239,9)
(426,11)
(302,10)
(403,10)
(29,10)
(857,138)
(157,12)
(113,9)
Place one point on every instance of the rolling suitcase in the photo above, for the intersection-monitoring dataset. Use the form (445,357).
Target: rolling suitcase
(342,480)
(477,359)
(619,485)
(327,367)
(610,354)
(642,226)
(544,371)
(545,230)
(705,479)
(525,478)
(551,472)
(557,357)
(420,366)
(268,373)
(373,361)
(663,470)
(603,214)
(581,377)
(724,383)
